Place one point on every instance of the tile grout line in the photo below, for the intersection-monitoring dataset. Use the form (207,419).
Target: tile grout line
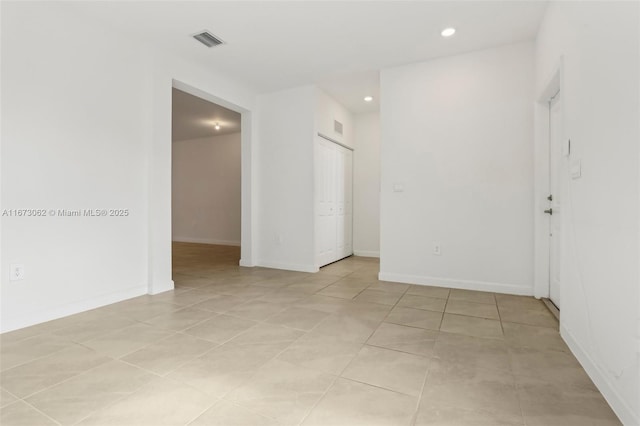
(68,378)
(36,409)
(123,397)
(339,375)
(444,311)
(197,416)
(289,344)
(499,315)
(308,413)
(424,384)
(511,372)
(335,377)
(366,344)
(78,375)
(379,387)
(40,357)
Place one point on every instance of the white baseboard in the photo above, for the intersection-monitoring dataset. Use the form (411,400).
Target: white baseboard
(214,241)
(161,288)
(246,263)
(459,284)
(618,404)
(366,253)
(288,266)
(10,324)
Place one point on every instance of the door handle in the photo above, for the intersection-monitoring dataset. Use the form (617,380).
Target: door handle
(550,211)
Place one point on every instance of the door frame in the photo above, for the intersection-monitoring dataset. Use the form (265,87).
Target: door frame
(541,190)
(319,136)
(159,181)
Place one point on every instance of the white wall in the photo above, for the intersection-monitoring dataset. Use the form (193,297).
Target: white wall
(457,134)
(71,139)
(87,124)
(328,110)
(288,123)
(206,190)
(366,185)
(285,176)
(600,91)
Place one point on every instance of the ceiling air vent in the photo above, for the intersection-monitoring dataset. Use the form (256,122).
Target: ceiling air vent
(337,127)
(208,39)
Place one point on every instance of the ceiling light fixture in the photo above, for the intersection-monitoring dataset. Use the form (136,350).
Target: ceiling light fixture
(217,126)
(368,98)
(448,32)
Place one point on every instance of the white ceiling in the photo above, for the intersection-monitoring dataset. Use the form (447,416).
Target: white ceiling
(339,45)
(350,89)
(193,117)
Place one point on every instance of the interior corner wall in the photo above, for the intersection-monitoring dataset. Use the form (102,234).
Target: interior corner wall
(600,89)
(285,179)
(457,171)
(206,190)
(366,185)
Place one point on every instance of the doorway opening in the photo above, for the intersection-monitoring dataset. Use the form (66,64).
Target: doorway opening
(206,206)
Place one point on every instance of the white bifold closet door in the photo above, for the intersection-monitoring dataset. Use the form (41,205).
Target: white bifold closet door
(334,194)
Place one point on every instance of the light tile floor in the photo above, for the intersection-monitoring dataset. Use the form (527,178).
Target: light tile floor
(256,346)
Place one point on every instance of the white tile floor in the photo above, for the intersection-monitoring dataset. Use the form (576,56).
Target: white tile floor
(255,346)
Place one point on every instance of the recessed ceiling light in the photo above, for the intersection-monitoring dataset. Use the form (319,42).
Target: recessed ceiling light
(448,32)
(217,126)
(368,98)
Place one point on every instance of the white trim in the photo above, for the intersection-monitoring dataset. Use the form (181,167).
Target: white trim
(10,324)
(620,407)
(323,136)
(366,253)
(541,190)
(159,182)
(246,263)
(458,284)
(162,287)
(214,241)
(218,134)
(288,266)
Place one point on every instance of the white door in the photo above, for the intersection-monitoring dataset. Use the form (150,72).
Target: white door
(344,197)
(556,182)
(325,195)
(333,196)
(348,203)
(340,196)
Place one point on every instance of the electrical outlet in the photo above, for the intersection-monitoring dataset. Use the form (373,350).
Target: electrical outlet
(17,272)
(437,250)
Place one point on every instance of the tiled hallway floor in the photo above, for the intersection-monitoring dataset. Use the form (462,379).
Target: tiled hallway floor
(255,346)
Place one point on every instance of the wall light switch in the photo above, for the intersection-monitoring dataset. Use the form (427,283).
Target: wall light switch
(576,169)
(398,187)
(17,272)
(437,250)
